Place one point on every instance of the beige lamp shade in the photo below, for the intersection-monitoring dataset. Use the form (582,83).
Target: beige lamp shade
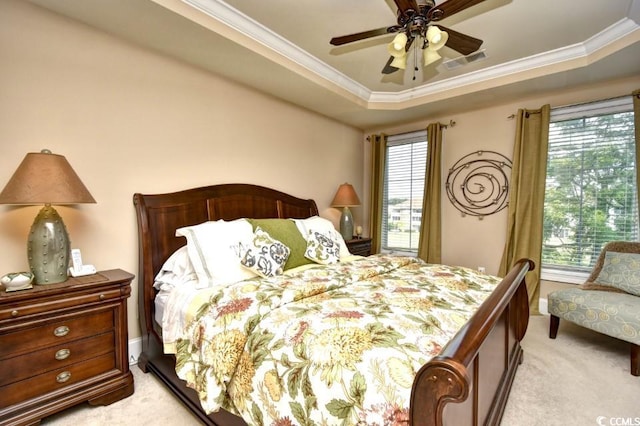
(345,197)
(45,178)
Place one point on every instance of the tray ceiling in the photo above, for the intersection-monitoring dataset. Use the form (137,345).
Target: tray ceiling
(281,47)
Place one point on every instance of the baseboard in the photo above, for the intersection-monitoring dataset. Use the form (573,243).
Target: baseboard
(543,307)
(135,349)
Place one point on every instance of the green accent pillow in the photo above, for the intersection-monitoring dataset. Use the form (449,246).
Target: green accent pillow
(285,231)
(622,271)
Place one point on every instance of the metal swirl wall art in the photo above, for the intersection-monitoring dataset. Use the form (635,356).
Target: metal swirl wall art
(478,183)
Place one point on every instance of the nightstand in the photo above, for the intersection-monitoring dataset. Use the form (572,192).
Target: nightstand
(63,344)
(359,246)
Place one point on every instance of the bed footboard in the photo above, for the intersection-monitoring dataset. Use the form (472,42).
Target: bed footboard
(469,382)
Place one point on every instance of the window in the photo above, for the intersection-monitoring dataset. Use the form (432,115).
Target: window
(403,191)
(591,194)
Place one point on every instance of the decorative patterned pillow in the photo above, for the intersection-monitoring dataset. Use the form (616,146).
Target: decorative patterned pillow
(322,248)
(265,255)
(325,226)
(622,271)
(285,231)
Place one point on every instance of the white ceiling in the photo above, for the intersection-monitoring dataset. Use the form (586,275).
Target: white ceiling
(281,47)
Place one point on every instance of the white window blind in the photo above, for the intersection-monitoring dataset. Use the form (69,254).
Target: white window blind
(591,194)
(405,168)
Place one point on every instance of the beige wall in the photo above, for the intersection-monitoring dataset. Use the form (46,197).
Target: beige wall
(468,241)
(129,120)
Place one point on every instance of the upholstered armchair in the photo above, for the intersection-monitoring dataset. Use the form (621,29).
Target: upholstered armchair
(609,301)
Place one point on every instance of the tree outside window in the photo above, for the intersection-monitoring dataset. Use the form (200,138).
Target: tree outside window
(591,194)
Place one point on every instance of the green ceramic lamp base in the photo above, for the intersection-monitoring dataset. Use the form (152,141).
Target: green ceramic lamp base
(48,247)
(346,224)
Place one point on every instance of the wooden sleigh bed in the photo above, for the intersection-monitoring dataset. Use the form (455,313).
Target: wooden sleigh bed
(468,383)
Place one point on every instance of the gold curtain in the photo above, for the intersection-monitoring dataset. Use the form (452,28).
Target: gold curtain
(526,197)
(378,159)
(636,122)
(429,247)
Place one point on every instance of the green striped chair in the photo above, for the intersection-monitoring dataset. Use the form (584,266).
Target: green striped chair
(609,301)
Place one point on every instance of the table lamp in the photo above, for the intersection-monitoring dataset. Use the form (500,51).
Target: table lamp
(46,178)
(346,197)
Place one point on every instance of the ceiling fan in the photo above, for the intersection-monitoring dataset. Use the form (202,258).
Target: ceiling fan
(415,19)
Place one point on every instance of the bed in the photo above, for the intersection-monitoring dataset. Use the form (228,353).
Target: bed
(467,382)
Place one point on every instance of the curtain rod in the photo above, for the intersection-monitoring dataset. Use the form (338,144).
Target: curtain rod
(593,102)
(512,116)
(452,123)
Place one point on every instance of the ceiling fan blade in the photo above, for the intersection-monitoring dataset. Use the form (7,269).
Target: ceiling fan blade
(450,7)
(338,41)
(462,43)
(404,5)
(388,69)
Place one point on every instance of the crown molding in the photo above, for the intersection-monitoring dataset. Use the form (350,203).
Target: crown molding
(616,36)
(251,28)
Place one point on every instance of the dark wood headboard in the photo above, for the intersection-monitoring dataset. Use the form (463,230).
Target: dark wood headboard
(159,215)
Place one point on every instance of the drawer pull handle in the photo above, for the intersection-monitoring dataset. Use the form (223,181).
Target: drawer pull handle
(102,297)
(63,377)
(61,331)
(63,354)
(14,313)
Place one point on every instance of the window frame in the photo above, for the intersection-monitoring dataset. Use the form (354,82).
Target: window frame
(576,275)
(417,137)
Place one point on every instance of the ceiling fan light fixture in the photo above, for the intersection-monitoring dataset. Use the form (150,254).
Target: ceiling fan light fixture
(397,47)
(413,25)
(400,41)
(430,56)
(436,37)
(399,62)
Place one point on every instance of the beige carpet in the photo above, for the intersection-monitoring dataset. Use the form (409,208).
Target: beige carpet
(581,378)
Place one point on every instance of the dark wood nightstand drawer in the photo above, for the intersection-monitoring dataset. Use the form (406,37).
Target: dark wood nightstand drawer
(359,246)
(55,357)
(55,380)
(55,332)
(56,303)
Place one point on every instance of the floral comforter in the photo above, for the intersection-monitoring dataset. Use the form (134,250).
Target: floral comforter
(332,345)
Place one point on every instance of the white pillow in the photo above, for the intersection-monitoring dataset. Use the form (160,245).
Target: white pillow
(176,271)
(323,226)
(215,250)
